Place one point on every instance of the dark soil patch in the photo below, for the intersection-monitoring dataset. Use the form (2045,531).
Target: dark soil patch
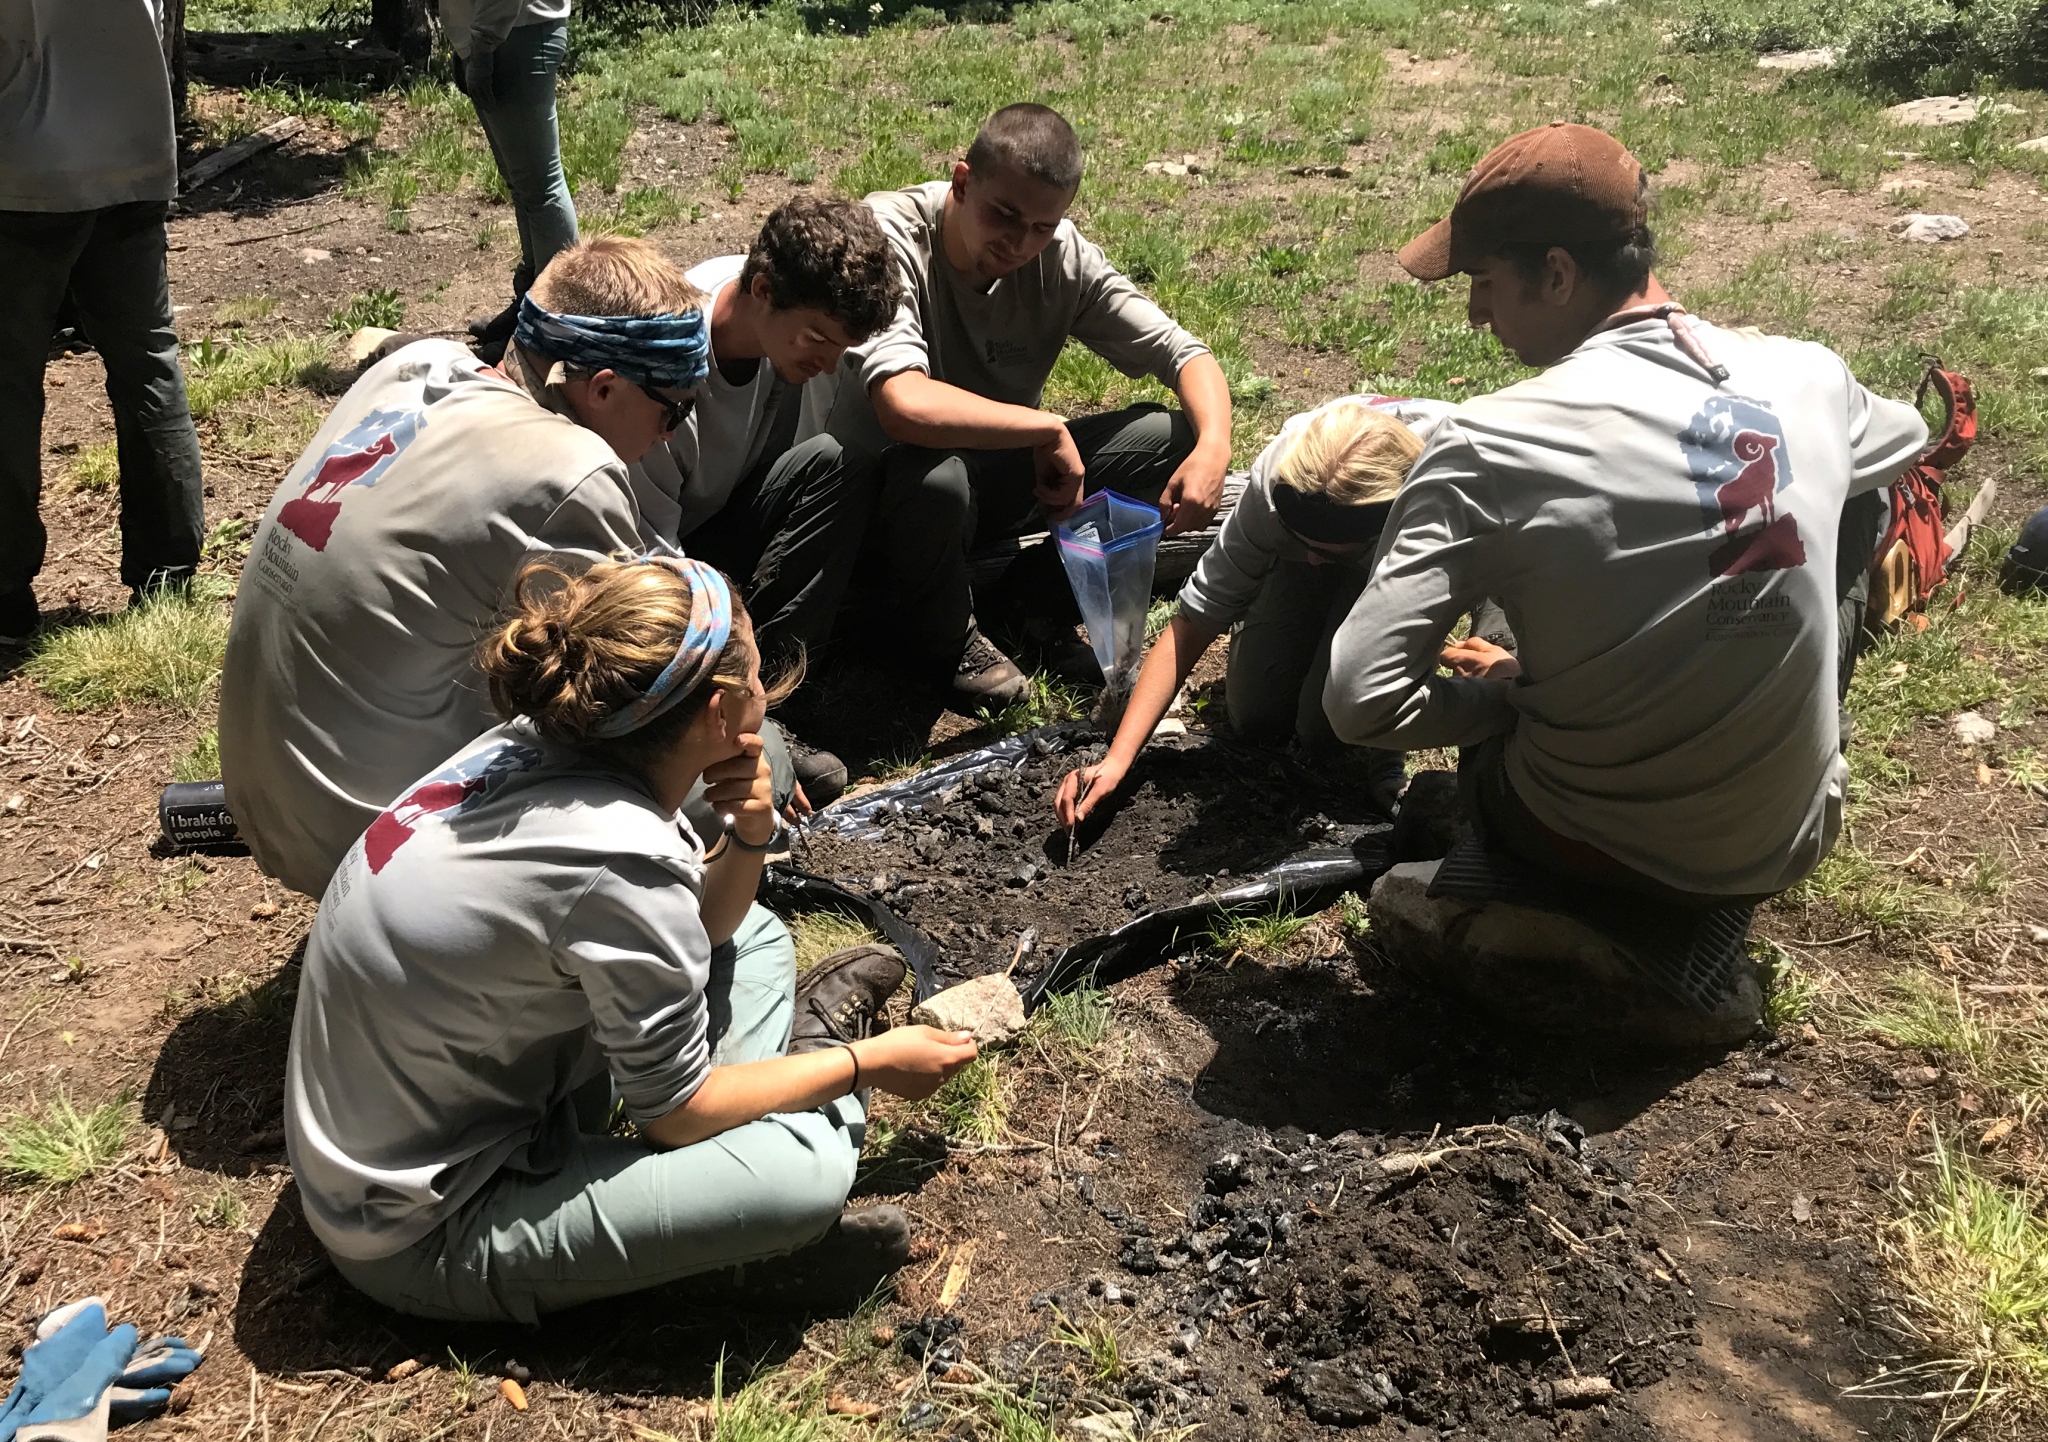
(983,861)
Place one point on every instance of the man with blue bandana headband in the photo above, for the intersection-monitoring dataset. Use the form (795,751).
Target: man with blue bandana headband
(392,543)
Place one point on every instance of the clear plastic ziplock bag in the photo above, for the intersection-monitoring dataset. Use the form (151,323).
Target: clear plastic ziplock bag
(1108,547)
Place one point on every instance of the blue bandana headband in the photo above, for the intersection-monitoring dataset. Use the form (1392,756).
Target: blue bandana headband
(649,350)
(696,654)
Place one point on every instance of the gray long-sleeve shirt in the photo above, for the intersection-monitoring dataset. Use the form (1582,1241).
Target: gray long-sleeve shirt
(1003,341)
(516,923)
(384,554)
(85,105)
(1665,552)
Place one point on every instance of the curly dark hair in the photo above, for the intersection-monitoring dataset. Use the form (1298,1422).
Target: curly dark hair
(827,255)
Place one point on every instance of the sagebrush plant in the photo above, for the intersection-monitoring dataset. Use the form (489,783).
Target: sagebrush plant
(59,1144)
(167,649)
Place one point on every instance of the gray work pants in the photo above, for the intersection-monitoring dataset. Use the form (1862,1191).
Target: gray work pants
(936,506)
(112,262)
(620,1216)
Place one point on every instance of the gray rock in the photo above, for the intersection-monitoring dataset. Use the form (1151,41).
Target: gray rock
(1928,229)
(1822,58)
(1542,971)
(988,1006)
(1944,110)
(2037,144)
(1333,1397)
(1974,730)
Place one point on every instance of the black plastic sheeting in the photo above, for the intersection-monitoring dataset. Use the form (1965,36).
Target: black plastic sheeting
(855,819)
(1311,880)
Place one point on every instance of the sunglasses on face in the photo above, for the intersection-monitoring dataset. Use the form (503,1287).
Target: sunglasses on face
(674,412)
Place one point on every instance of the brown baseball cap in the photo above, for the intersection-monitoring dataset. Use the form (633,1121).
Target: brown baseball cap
(1559,184)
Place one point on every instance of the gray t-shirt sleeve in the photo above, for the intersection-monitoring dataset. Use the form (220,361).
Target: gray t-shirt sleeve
(597,517)
(1120,324)
(635,943)
(1384,689)
(1885,437)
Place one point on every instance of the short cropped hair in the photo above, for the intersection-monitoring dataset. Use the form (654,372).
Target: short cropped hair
(830,256)
(1350,451)
(614,275)
(1616,268)
(1032,140)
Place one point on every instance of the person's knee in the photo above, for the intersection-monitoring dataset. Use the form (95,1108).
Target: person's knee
(764,951)
(940,495)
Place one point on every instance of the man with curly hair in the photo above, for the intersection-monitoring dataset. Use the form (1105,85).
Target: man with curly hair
(783,519)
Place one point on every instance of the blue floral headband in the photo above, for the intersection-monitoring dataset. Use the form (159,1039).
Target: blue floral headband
(649,350)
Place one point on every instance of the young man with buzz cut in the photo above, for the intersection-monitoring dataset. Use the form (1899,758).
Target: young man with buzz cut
(1658,512)
(784,520)
(999,280)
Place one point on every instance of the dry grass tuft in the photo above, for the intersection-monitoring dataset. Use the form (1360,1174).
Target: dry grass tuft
(818,934)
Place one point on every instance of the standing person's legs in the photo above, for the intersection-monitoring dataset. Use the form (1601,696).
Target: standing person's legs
(124,299)
(789,534)
(620,1217)
(36,254)
(1864,521)
(518,118)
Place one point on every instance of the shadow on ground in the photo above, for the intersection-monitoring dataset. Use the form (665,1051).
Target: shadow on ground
(1348,1044)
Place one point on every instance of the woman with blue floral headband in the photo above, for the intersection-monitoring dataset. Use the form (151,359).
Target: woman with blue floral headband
(533,934)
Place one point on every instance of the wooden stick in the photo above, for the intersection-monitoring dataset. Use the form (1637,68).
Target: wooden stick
(206,171)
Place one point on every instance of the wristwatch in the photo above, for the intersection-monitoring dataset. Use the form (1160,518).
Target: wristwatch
(778,839)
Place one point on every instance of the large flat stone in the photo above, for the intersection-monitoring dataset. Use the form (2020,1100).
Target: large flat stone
(1543,971)
(988,1006)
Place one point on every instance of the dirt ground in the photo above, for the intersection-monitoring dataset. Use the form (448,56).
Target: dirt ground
(1710,1250)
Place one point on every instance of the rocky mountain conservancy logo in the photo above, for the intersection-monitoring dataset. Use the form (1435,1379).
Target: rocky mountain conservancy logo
(451,790)
(359,457)
(1735,449)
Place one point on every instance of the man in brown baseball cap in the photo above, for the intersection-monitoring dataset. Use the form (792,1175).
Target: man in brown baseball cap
(1564,210)
(1659,513)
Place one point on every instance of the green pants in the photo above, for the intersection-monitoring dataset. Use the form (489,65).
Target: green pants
(1280,654)
(620,1216)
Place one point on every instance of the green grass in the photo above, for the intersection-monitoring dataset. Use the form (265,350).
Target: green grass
(818,934)
(222,1209)
(381,307)
(95,469)
(218,374)
(972,1106)
(638,211)
(1077,1022)
(1048,700)
(1917,1009)
(166,650)
(58,1144)
(200,762)
(1972,1252)
(1256,934)
(1103,1363)
(244,310)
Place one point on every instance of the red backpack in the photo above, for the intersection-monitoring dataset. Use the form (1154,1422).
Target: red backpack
(1914,556)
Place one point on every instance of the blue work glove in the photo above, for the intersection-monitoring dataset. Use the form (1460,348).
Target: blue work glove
(73,1373)
(478,71)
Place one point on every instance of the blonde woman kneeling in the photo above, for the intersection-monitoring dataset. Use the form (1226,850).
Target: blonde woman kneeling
(1289,562)
(533,930)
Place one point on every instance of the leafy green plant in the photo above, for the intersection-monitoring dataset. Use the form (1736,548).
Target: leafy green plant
(381,307)
(201,761)
(1790,991)
(1046,701)
(59,1144)
(218,374)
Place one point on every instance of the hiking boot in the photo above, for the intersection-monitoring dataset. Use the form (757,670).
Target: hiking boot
(860,1250)
(165,580)
(20,617)
(839,999)
(984,676)
(488,338)
(821,774)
